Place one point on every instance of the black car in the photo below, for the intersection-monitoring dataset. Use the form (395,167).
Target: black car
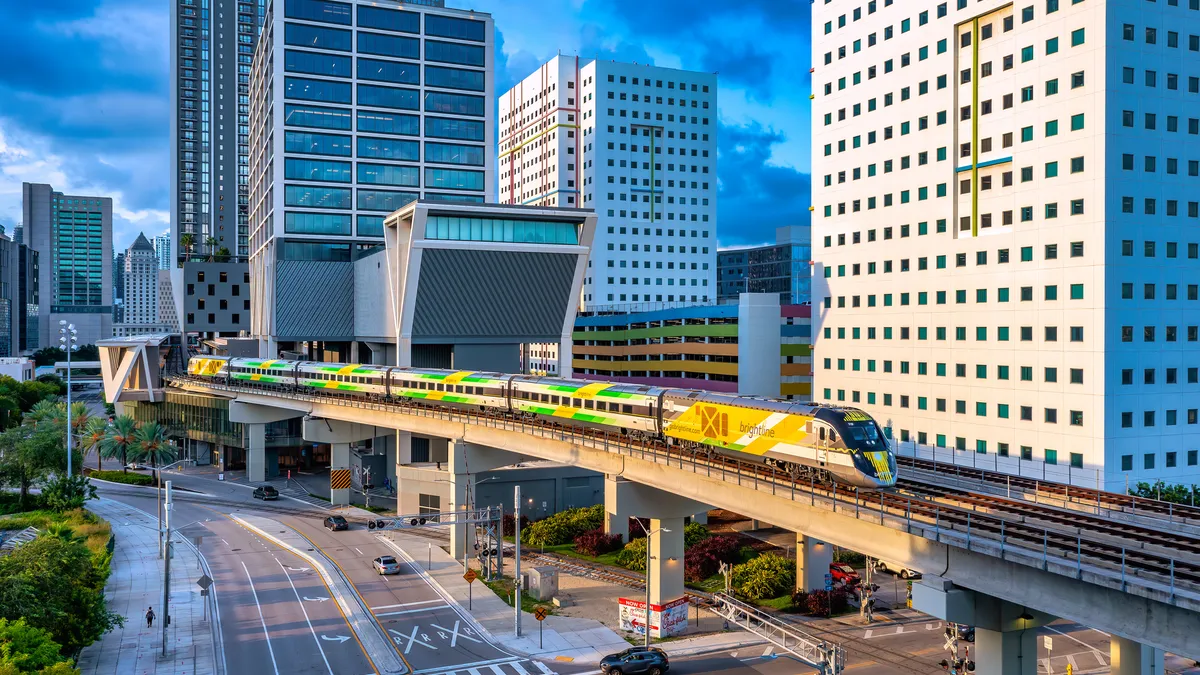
(265,492)
(335,523)
(636,660)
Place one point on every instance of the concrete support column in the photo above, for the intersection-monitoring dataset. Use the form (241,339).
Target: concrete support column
(666,560)
(701,517)
(462,491)
(464,461)
(616,518)
(1133,658)
(812,562)
(1005,653)
(256,453)
(339,473)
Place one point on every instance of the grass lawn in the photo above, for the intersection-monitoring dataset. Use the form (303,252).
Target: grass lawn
(504,589)
(94,530)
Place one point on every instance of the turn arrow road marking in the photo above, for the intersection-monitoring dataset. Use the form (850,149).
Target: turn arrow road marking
(336,638)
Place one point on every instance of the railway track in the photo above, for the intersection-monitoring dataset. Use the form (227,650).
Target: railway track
(1095,543)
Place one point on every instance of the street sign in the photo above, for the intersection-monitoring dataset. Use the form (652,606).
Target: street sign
(1048,642)
(539,613)
(204,581)
(470,576)
(829,582)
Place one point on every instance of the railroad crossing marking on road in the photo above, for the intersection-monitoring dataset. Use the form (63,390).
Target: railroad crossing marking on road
(540,613)
(412,639)
(455,634)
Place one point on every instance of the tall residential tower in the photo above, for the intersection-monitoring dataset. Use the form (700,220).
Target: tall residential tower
(1005,230)
(639,145)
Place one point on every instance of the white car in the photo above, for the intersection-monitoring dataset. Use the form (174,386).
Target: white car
(900,570)
(386,564)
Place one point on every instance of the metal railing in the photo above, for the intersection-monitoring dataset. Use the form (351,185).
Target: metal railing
(1076,554)
(828,658)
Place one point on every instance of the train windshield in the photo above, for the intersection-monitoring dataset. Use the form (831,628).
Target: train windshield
(862,433)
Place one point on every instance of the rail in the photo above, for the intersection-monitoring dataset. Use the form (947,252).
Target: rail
(826,657)
(1080,555)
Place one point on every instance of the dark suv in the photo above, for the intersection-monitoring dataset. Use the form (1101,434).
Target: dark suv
(265,492)
(335,523)
(650,660)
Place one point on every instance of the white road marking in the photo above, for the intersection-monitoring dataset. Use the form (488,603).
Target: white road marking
(1071,660)
(406,611)
(496,670)
(454,634)
(359,552)
(226,543)
(1097,652)
(544,668)
(336,638)
(316,599)
(439,601)
(261,619)
(412,637)
(931,626)
(866,634)
(768,650)
(308,620)
(516,665)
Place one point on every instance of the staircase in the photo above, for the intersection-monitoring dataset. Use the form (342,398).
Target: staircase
(827,658)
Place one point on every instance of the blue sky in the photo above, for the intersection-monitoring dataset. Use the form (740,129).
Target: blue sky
(84,100)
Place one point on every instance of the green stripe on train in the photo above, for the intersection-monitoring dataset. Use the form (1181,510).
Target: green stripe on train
(595,419)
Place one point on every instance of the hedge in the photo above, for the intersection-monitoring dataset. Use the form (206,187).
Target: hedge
(767,576)
(564,526)
(704,559)
(597,543)
(118,477)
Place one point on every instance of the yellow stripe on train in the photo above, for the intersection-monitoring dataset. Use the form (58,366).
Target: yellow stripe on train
(726,425)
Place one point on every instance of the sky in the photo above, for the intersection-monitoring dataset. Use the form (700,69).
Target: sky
(85,100)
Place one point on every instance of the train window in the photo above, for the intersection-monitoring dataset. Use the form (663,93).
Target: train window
(589,404)
(578,403)
(832,436)
(627,409)
(821,431)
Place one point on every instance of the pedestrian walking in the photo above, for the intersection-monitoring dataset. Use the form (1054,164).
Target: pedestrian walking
(149,617)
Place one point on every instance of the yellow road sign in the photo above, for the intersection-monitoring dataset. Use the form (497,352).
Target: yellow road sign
(470,576)
(540,613)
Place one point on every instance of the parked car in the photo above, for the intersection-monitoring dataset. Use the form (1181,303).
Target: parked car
(903,572)
(965,633)
(266,492)
(636,660)
(335,523)
(844,574)
(386,564)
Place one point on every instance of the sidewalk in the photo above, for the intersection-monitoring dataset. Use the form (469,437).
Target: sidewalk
(135,584)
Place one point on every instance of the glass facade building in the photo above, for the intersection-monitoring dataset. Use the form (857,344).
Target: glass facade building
(355,111)
(785,268)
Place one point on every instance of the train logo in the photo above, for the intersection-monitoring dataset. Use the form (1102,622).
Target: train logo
(714,423)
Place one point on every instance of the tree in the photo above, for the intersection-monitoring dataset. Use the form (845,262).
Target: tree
(187,240)
(25,649)
(94,431)
(65,493)
(151,445)
(46,410)
(57,585)
(119,441)
(43,387)
(211,244)
(223,254)
(29,453)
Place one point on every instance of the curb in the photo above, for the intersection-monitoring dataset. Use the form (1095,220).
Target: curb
(391,664)
(146,487)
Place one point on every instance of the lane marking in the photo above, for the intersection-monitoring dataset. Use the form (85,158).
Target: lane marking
(411,604)
(359,552)
(516,665)
(407,611)
(260,618)
(454,634)
(306,619)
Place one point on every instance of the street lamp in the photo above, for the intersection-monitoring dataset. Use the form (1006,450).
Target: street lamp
(68,340)
(649,534)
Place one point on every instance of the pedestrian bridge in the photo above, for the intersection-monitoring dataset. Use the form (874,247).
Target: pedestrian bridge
(999,570)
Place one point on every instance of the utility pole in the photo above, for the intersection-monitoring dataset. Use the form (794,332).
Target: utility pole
(68,338)
(166,607)
(517,560)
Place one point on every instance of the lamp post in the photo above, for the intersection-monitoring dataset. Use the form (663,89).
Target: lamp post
(68,338)
(648,535)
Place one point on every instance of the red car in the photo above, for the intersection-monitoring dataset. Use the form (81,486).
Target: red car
(844,574)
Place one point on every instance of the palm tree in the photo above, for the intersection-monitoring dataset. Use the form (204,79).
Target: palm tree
(45,410)
(151,445)
(187,241)
(92,437)
(120,440)
(211,243)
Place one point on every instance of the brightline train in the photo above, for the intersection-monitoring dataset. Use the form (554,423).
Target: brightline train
(803,438)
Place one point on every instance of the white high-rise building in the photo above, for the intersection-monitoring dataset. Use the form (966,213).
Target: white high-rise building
(162,250)
(141,283)
(636,143)
(1005,232)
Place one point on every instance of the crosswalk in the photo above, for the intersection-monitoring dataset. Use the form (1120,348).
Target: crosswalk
(497,667)
(302,495)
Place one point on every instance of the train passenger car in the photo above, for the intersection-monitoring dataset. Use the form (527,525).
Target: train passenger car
(842,442)
(265,371)
(464,389)
(354,378)
(208,366)
(624,408)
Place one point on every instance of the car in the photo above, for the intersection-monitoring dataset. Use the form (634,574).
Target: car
(335,523)
(903,572)
(386,564)
(266,492)
(965,633)
(844,574)
(636,660)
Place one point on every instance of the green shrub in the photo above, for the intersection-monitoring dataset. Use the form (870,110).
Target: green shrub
(767,576)
(633,556)
(65,493)
(118,477)
(564,526)
(694,533)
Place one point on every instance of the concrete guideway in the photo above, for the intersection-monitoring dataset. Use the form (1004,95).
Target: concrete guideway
(357,615)
(1053,581)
